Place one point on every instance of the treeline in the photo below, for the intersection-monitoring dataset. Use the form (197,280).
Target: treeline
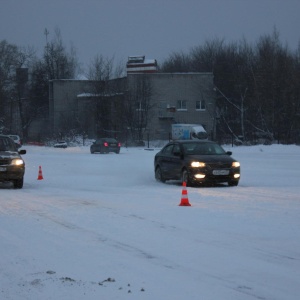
(257,87)
(24,82)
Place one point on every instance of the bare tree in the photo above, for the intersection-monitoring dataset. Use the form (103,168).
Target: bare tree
(101,68)
(108,94)
(139,105)
(8,63)
(177,62)
(59,63)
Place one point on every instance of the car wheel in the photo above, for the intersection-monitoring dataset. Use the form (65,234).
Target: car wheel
(117,152)
(233,183)
(158,175)
(185,177)
(101,151)
(18,183)
(92,151)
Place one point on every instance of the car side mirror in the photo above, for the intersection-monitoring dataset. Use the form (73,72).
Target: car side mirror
(22,152)
(229,153)
(177,153)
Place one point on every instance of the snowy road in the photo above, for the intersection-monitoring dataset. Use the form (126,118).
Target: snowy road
(100,227)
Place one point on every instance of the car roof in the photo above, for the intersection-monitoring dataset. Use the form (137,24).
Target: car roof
(4,136)
(192,141)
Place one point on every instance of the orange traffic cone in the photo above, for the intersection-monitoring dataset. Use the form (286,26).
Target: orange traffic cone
(184,196)
(40,176)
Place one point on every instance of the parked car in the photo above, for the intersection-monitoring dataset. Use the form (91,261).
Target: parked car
(196,162)
(61,144)
(16,140)
(12,166)
(105,145)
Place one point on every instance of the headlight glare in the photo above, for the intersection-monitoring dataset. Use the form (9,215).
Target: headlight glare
(199,176)
(236,164)
(17,162)
(197,164)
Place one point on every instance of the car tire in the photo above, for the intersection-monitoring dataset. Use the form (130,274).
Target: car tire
(101,151)
(158,175)
(18,183)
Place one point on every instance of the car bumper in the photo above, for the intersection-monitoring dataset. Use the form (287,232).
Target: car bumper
(112,149)
(207,176)
(11,173)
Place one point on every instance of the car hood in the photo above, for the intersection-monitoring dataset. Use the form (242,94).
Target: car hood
(224,158)
(9,154)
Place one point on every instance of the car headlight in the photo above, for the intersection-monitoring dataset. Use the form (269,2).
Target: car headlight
(235,164)
(197,164)
(17,162)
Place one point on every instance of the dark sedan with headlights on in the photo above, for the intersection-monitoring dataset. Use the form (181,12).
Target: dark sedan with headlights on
(196,162)
(105,145)
(12,166)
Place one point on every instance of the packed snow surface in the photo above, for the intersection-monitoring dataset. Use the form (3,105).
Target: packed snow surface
(100,227)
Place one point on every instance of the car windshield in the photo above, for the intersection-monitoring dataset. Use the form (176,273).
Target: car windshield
(6,144)
(13,137)
(203,149)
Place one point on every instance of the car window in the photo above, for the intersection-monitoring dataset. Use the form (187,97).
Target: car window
(168,149)
(6,144)
(189,148)
(176,149)
(203,149)
(219,150)
(111,140)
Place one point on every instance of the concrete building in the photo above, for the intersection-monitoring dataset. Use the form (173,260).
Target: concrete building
(157,100)
(179,98)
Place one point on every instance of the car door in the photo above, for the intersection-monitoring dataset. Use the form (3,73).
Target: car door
(165,160)
(171,161)
(98,144)
(176,161)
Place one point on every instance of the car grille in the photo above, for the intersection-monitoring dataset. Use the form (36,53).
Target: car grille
(4,162)
(218,165)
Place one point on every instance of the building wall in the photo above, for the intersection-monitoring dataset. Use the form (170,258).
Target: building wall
(64,100)
(167,88)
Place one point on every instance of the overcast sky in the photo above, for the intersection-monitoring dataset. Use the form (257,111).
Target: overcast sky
(154,28)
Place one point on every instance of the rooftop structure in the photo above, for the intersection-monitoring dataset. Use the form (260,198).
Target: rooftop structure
(138,64)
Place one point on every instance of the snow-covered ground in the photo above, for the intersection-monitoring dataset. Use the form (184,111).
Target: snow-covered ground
(101,227)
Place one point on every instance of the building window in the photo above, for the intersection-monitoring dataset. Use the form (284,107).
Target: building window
(181,105)
(200,105)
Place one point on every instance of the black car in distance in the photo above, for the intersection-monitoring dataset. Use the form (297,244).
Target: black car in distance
(196,162)
(105,145)
(12,166)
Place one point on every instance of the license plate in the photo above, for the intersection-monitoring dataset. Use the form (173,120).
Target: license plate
(2,169)
(220,172)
